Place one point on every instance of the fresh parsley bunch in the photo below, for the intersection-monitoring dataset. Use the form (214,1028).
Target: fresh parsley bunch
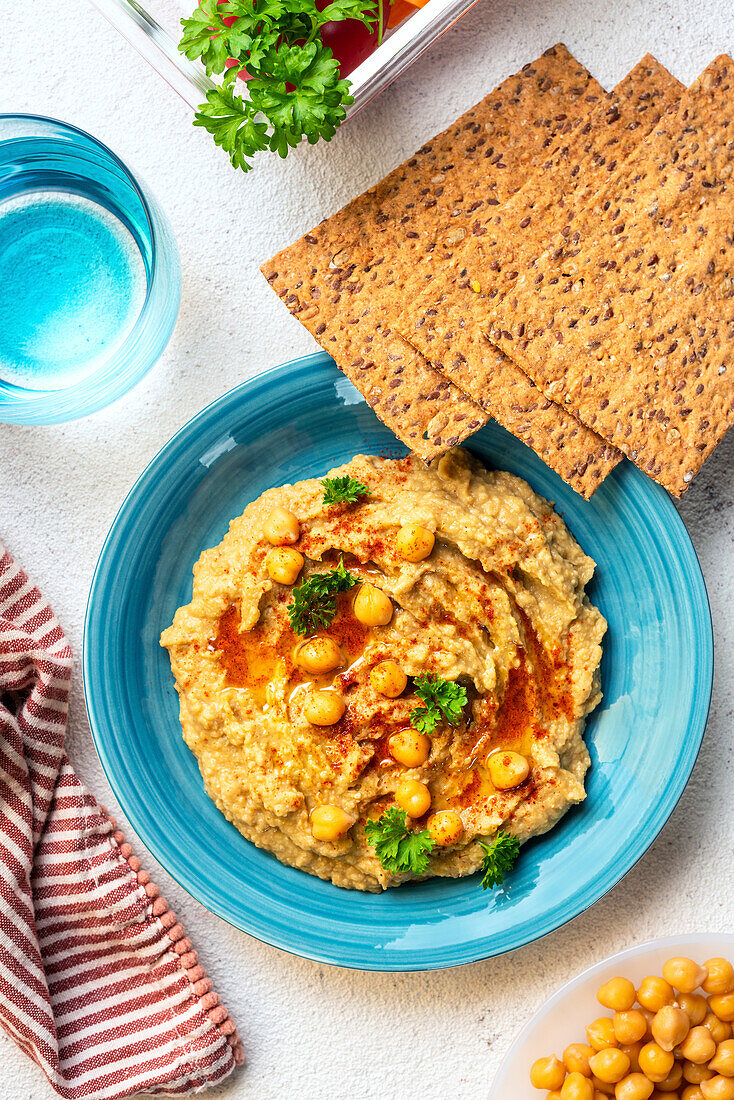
(398,848)
(295,89)
(313,606)
(444,699)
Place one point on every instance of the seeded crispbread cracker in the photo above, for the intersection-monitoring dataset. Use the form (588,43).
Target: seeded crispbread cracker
(652,367)
(447,320)
(623,311)
(343,278)
(584,159)
(465,355)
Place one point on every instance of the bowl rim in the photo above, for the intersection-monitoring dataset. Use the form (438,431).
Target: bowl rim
(19,405)
(556,999)
(189,884)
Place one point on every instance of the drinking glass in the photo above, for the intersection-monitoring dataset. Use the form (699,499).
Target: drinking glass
(44,160)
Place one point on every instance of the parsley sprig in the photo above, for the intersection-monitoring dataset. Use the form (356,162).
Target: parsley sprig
(444,699)
(500,856)
(295,88)
(346,490)
(314,600)
(400,850)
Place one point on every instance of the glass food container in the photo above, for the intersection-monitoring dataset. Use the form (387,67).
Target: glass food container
(153,29)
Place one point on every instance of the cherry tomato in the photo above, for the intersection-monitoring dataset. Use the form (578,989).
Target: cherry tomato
(349,41)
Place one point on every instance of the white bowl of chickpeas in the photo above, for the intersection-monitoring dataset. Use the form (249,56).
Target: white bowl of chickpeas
(655,1022)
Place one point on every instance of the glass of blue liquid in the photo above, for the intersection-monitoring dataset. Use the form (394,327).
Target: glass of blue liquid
(90,281)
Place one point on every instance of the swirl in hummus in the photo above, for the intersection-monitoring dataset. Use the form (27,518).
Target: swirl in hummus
(498,605)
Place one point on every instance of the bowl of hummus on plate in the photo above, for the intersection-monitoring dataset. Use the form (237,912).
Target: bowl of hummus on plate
(384,674)
(431,740)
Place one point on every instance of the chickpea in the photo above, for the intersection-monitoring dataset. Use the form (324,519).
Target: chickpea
(413,797)
(720,976)
(698,1046)
(577,1087)
(654,993)
(610,1065)
(410,748)
(388,679)
(372,606)
(601,1088)
(632,1050)
(629,1027)
(722,1005)
(329,822)
(670,1027)
(723,1061)
(695,1074)
(691,1092)
(281,526)
(695,1007)
(718,1088)
(634,1087)
(684,974)
(413,542)
(576,1058)
(508,770)
(601,1034)
(673,1081)
(324,708)
(318,655)
(547,1073)
(657,1094)
(445,827)
(283,564)
(619,994)
(655,1062)
(720,1031)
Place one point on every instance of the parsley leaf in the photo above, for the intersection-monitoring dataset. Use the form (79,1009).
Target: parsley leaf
(500,856)
(218,31)
(206,37)
(344,489)
(425,719)
(338,10)
(314,600)
(227,119)
(295,89)
(443,699)
(313,107)
(398,848)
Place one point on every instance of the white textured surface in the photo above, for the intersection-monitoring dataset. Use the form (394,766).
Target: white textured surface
(312,1030)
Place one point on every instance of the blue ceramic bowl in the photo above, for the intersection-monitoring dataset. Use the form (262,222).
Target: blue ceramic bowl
(299,420)
(42,155)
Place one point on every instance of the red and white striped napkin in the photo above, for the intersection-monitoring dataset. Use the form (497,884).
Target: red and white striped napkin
(98,982)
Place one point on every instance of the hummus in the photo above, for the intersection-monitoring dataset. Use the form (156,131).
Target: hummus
(497,605)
